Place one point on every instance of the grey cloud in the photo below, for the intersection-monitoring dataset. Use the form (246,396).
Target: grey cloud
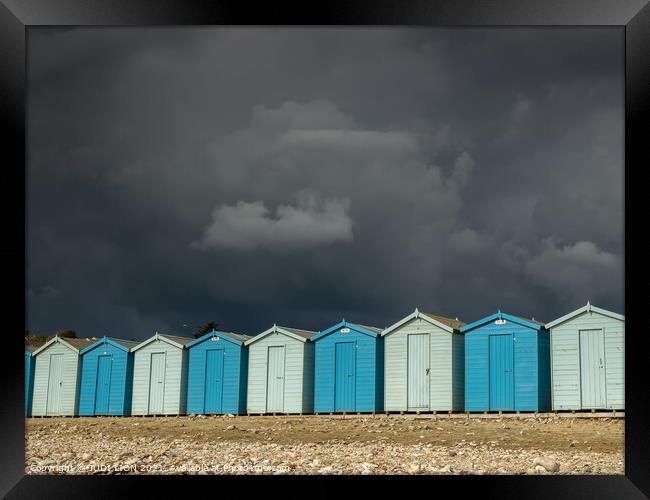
(311,222)
(579,271)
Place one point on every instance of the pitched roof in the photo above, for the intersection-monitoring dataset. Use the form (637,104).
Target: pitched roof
(236,336)
(364,329)
(126,343)
(540,323)
(178,340)
(78,344)
(456,324)
(583,309)
(217,333)
(450,325)
(371,328)
(303,333)
(529,323)
(291,332)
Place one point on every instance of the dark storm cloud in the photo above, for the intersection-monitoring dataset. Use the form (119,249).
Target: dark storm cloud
(248,176)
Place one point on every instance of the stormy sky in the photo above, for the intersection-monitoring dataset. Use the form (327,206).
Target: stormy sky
(300,176)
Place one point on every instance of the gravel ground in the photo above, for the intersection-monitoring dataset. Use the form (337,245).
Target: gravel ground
(324,445)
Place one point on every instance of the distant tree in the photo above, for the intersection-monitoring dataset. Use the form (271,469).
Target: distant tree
(69,334)
(207,328)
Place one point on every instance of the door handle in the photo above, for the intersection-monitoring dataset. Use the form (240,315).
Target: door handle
(428,370)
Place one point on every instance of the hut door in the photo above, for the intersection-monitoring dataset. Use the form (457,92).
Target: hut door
(418,371)
(157,382)
(592,368)
(103,384)
(501,373)
(213,380)
(344,383)
(55,384)
(275,380)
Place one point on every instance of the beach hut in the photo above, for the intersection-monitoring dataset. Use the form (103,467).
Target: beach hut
(281,371)
(349,369)
(588,360)
(106,377)
(29,378)
(217,373)
(56,377)
(507,364)
(160,376)
(423,367)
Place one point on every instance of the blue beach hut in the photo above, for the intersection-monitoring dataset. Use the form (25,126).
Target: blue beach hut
(29,378)
(217,373)
(507,364)
(349,369)
(106,378)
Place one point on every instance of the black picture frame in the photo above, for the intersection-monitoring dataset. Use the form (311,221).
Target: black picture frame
(17,16)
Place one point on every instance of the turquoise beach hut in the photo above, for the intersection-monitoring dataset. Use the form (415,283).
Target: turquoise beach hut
(507,364)
(349,369)
(29,378)
(217,373)
(588,360)
(106,378)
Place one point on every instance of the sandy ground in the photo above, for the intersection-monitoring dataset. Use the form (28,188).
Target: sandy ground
(324,445)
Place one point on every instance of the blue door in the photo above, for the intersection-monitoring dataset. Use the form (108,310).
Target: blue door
(344,382)
(501,373)
(213,380)
(103,389)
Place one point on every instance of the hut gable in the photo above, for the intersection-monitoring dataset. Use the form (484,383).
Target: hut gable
(446,324)
(172,340)
(584,310)
(370,331)
(528,323)
(123,345)
(235,338)
(294,333)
